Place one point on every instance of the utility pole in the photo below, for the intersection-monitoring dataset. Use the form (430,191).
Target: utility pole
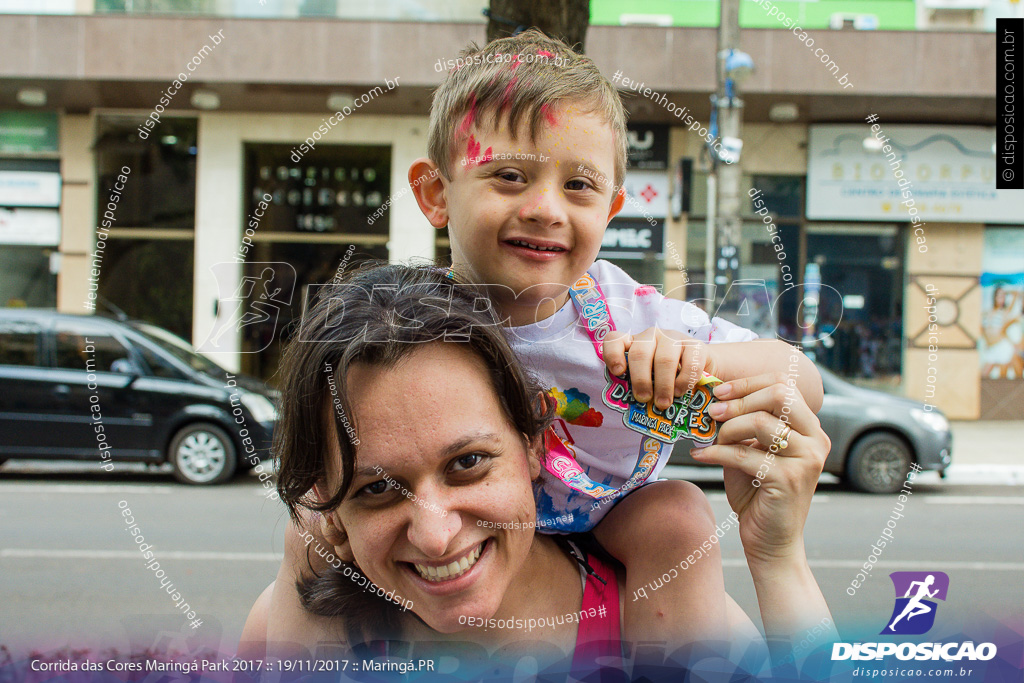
(729,116)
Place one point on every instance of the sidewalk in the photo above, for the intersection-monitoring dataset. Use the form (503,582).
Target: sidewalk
(986,452)
(988,442)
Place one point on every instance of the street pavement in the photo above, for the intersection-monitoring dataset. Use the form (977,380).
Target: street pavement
(70,573)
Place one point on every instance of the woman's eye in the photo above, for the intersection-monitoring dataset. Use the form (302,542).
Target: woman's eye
(467,462)
(577,184)
(376,488)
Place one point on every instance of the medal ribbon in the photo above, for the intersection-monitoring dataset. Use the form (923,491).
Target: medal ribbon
(561,460)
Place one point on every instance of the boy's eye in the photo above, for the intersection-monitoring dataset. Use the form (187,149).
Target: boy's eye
(577,184)
(510,175)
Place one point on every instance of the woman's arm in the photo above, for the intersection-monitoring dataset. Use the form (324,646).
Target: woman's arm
(253,644)
(290,631)
(770,489)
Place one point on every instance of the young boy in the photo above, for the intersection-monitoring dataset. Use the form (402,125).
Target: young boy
(527,154)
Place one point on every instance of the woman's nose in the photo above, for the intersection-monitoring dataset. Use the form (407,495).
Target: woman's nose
(432,528)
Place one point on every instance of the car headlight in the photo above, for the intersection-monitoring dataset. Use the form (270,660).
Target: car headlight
(931,420)
(260,406)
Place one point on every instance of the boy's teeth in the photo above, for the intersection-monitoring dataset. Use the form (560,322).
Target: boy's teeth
(520,243)
(450,571)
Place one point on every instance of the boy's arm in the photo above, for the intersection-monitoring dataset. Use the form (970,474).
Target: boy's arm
(748,359)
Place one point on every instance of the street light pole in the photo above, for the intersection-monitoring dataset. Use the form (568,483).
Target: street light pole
(729,110)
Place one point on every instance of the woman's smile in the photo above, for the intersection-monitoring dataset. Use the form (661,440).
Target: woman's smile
(446,579)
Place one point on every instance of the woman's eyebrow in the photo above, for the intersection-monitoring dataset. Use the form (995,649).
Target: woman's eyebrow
(461,444)
(451,449)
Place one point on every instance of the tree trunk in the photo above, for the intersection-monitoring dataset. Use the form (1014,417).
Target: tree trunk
(563,19)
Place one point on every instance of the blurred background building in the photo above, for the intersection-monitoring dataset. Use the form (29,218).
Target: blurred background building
(79,78)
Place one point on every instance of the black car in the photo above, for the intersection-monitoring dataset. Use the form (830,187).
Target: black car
(86,387)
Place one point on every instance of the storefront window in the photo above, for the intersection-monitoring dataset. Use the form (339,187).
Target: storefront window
(322,216)
(26,278)
(770,252)
(864,321)
(147,260)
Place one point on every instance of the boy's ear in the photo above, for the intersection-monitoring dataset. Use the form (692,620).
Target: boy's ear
(429,190)
(617,201)
(331,530)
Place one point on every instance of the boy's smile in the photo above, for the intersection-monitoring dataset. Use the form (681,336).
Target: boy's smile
(527,217)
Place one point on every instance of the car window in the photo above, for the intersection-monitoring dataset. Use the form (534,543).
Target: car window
(19,342)
(178,348)
(102,353)
(159,366)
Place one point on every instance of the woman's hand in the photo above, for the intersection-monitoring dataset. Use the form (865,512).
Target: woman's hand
(768,486)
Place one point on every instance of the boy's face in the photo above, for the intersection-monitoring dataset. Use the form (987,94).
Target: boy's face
(530,216)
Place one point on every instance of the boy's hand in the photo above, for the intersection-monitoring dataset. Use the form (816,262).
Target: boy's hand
(674,360)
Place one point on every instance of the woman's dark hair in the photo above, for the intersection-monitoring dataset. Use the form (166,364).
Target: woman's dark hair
(378,314)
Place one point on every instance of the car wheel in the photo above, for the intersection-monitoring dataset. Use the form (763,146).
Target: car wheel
(202,453)
(879,463)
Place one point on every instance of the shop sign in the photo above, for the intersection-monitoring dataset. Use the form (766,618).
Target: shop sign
(29,188)
(648,146)
(632,237)
(937,173)
(36,227)
(28,132)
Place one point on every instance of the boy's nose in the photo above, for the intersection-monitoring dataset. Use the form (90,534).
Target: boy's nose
(543,207)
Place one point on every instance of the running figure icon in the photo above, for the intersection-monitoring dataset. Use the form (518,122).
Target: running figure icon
(917,594)
(915,606)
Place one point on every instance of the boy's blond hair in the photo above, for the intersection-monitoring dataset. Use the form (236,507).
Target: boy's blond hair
(528,74)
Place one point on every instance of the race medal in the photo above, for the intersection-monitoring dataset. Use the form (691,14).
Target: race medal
(686,417)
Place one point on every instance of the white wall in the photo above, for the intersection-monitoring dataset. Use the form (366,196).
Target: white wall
(220,195)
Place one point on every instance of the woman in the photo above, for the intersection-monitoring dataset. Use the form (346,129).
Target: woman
(419,396)
(1003,348)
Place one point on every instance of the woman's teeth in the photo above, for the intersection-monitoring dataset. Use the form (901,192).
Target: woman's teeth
(451,571)
(519,243)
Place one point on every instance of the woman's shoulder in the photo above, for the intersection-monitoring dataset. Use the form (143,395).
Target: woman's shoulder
(288,629)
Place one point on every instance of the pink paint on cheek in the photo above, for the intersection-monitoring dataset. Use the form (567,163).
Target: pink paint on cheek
(644,290)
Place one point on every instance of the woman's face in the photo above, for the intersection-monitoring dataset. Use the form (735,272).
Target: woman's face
(434,426)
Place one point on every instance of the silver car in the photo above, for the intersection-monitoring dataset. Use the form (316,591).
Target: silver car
(875,436)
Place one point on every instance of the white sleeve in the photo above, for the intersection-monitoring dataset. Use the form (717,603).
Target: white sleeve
(682,316)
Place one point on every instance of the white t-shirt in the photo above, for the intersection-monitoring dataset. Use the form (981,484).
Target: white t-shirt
(560,353)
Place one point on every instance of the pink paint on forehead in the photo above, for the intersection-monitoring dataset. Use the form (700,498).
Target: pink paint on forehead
(508,89)
(473,155)
(470,116)
(549,116)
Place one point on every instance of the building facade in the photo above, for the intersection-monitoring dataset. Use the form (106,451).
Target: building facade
(185,200)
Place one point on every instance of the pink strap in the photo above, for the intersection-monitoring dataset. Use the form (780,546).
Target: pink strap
(599,639)
(593,309)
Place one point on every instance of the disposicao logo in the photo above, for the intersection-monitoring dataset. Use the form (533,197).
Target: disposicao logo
(914,614)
